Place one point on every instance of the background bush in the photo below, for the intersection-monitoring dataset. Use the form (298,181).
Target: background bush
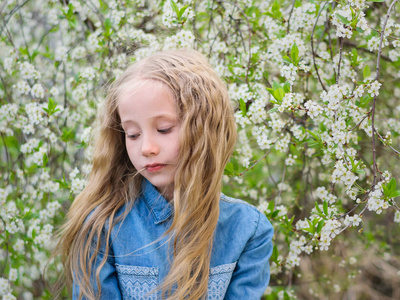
(316,86)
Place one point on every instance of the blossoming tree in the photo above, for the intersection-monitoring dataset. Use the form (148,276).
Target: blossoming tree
(316,86)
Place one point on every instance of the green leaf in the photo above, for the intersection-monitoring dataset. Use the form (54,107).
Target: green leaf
(275,254)
(272,110)
(107,27)
(67,135)
(311,226)
(360,30)
(325,206)
(294,53)
(271,91)
(395,194)
(385,190)
(62,183)
(366,72)
(290,221)
(320,225)
(317,208)
(174,7)
(34,54)
(235,164)
(275,214)
(286,296)
(343,19)
(313,134)
(271,206)
(23,51)
(70,12)
(45,160)
(286,87)
(276,85)
(354,57)
(229,169)
(392,185)
(364,101)
(55,28)
(242,106)
(276,12)
(310,230)
(279,94)
(51,107)
(287,59)
(182,11)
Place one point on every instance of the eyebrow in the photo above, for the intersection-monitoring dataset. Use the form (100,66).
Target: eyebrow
(170,117)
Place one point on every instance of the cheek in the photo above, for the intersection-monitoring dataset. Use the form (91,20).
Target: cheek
(177,151)
(177,147)
(131,150)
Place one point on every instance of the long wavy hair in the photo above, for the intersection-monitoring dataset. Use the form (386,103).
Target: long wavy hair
(208,136)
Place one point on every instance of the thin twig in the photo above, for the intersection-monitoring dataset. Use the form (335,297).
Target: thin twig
(340,60)
(21,24)
(256,162)
(312,47)
(16,8)
(378,61)
(283,174)
(249,29)
(219,31)
(354,45)
(7,153)
(5,87)
(43,37)
(358,124)
(211,21)
(395,205)
(397,152)
(265,154)
(355,206)
(290,16)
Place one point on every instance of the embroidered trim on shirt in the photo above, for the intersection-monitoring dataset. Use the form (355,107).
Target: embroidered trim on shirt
(136,270)
(228,268)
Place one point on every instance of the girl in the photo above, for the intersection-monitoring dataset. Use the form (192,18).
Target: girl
(152,222)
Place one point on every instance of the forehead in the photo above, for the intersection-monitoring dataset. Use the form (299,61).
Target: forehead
(145,99)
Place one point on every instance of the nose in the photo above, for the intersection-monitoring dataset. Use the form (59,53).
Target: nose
(149,146)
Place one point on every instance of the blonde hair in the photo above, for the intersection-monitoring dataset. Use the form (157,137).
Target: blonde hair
(208,136)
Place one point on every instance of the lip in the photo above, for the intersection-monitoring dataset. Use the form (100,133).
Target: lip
(154,167)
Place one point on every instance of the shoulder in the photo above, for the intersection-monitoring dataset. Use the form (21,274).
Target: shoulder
(229,205)
(240,213)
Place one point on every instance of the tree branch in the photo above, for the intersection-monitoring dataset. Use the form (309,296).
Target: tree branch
(290,16)
(312,46)
(378,61)
(340,60)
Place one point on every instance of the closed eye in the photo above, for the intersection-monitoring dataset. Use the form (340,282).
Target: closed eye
(164,131)
(132,136)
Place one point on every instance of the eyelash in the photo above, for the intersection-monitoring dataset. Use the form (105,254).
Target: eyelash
(162,131)
(132,137)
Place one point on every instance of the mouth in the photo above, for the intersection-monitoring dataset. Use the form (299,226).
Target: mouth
(154,167)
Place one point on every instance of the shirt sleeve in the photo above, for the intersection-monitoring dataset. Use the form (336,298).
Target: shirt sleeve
(251,275)
(108,276)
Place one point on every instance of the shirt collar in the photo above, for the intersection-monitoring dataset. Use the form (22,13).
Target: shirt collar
(160,208)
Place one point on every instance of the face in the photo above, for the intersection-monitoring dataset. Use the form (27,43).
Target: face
(149,119)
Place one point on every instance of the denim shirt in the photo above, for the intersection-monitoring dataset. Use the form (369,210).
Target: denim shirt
(136,265)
